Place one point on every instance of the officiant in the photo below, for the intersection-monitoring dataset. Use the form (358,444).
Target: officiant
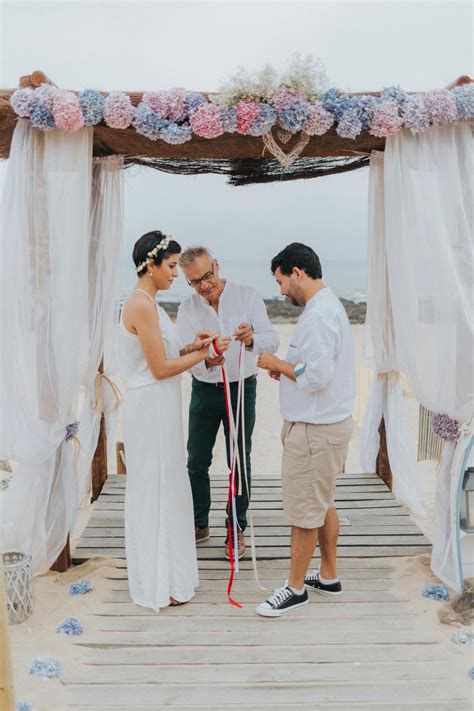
(228,309)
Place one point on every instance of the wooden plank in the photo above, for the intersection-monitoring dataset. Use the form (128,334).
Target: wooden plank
(82,554)
(276,531)
(310,653)
(246,584)
(250,694)
(286,672)
(253,637)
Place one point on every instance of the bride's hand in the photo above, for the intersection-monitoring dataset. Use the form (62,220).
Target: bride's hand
(202,339)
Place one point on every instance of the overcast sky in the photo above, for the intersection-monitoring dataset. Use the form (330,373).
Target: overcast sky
(157,45)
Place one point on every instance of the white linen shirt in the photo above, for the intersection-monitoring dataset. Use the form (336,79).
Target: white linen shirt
(325,392)
(237,304)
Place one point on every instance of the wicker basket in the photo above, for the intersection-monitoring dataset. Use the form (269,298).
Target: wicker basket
(19,586)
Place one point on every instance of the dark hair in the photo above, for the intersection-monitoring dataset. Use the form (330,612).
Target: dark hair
(298,255)
(146,243)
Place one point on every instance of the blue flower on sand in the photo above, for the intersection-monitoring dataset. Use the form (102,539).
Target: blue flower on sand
(46,667)
(71,627)
(80,588)
(436,592)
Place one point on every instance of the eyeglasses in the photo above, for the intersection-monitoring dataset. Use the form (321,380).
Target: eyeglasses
(206,277)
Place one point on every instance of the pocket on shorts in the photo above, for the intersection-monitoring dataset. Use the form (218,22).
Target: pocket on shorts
(285,430)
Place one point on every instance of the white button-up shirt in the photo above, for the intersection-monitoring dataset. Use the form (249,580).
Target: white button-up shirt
(322,342)
(237,304)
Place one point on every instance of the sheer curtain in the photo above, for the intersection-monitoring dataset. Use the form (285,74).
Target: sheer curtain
(421,229)
(386,395)
(50,329)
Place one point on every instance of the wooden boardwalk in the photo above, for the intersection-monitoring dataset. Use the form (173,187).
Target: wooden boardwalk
(371,648)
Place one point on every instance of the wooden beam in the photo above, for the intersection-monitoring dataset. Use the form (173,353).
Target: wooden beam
(382,466)
(7,696)
(99,463)
(120,451)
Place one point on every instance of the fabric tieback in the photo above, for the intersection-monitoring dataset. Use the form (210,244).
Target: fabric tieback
(99,405)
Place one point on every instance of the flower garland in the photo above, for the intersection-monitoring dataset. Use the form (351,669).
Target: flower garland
(176,115)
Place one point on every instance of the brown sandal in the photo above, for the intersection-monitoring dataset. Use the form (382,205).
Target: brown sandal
(175,603)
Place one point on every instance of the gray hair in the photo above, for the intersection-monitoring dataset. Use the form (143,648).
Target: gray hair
(190,255)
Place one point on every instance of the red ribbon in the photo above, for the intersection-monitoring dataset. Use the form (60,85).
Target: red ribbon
(230,492)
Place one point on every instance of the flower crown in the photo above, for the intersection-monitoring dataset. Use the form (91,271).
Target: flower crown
(163,244)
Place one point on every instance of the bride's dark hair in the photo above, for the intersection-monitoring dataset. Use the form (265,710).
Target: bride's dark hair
(147,243)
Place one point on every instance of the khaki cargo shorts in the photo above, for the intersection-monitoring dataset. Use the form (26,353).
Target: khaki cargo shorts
(313,456)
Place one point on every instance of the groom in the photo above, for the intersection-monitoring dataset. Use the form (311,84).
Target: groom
(317,392)
(227,309)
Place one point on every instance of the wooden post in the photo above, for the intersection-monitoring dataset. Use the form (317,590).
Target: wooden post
(63,561)
(382,466)
(7,696)
(120,452)
(99,463)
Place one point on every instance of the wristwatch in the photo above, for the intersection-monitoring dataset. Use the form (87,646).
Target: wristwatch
(299,369)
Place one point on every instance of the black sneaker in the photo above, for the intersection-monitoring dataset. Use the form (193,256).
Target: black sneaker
(313,582)
(282,601)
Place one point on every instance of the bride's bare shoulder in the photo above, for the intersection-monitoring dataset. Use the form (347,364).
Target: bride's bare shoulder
(137,308)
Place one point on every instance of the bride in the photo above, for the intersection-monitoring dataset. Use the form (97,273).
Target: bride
(159,521)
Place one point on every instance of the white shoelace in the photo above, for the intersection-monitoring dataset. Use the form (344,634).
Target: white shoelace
(279,596)
(314,576)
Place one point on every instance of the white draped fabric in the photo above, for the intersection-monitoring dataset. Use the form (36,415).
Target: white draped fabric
(421,292)
(50,329)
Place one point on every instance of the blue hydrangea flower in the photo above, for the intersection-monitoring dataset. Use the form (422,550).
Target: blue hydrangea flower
(71,627)
(294,117)
(365,107)
(336,102)
(471,673)
(394,93)
(23,706)
(415,114)
(194,100)
(436,592)
(23,101)
(148,123)
(80,588)
(42,118)
(46,667)
(175,133)
(349,125)
(92,105)
(229,119)
(464,635)
(266,120)
(465,101)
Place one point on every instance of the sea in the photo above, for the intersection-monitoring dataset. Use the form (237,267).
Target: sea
(348,279)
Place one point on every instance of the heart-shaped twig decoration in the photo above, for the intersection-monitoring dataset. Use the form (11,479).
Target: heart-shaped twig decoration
(285,159)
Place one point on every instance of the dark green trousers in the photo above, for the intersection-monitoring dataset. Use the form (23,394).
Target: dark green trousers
(206,413)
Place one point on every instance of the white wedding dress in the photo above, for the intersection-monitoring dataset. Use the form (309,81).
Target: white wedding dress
(159,521)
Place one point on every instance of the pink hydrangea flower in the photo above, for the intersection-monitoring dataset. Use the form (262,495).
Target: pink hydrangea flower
(206,121)
(284,97)
(319,120)
(167,104)
(247,112)
(118,110)
(158,101)
(67,111)
(45,95)
(385,120)
(441,106)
